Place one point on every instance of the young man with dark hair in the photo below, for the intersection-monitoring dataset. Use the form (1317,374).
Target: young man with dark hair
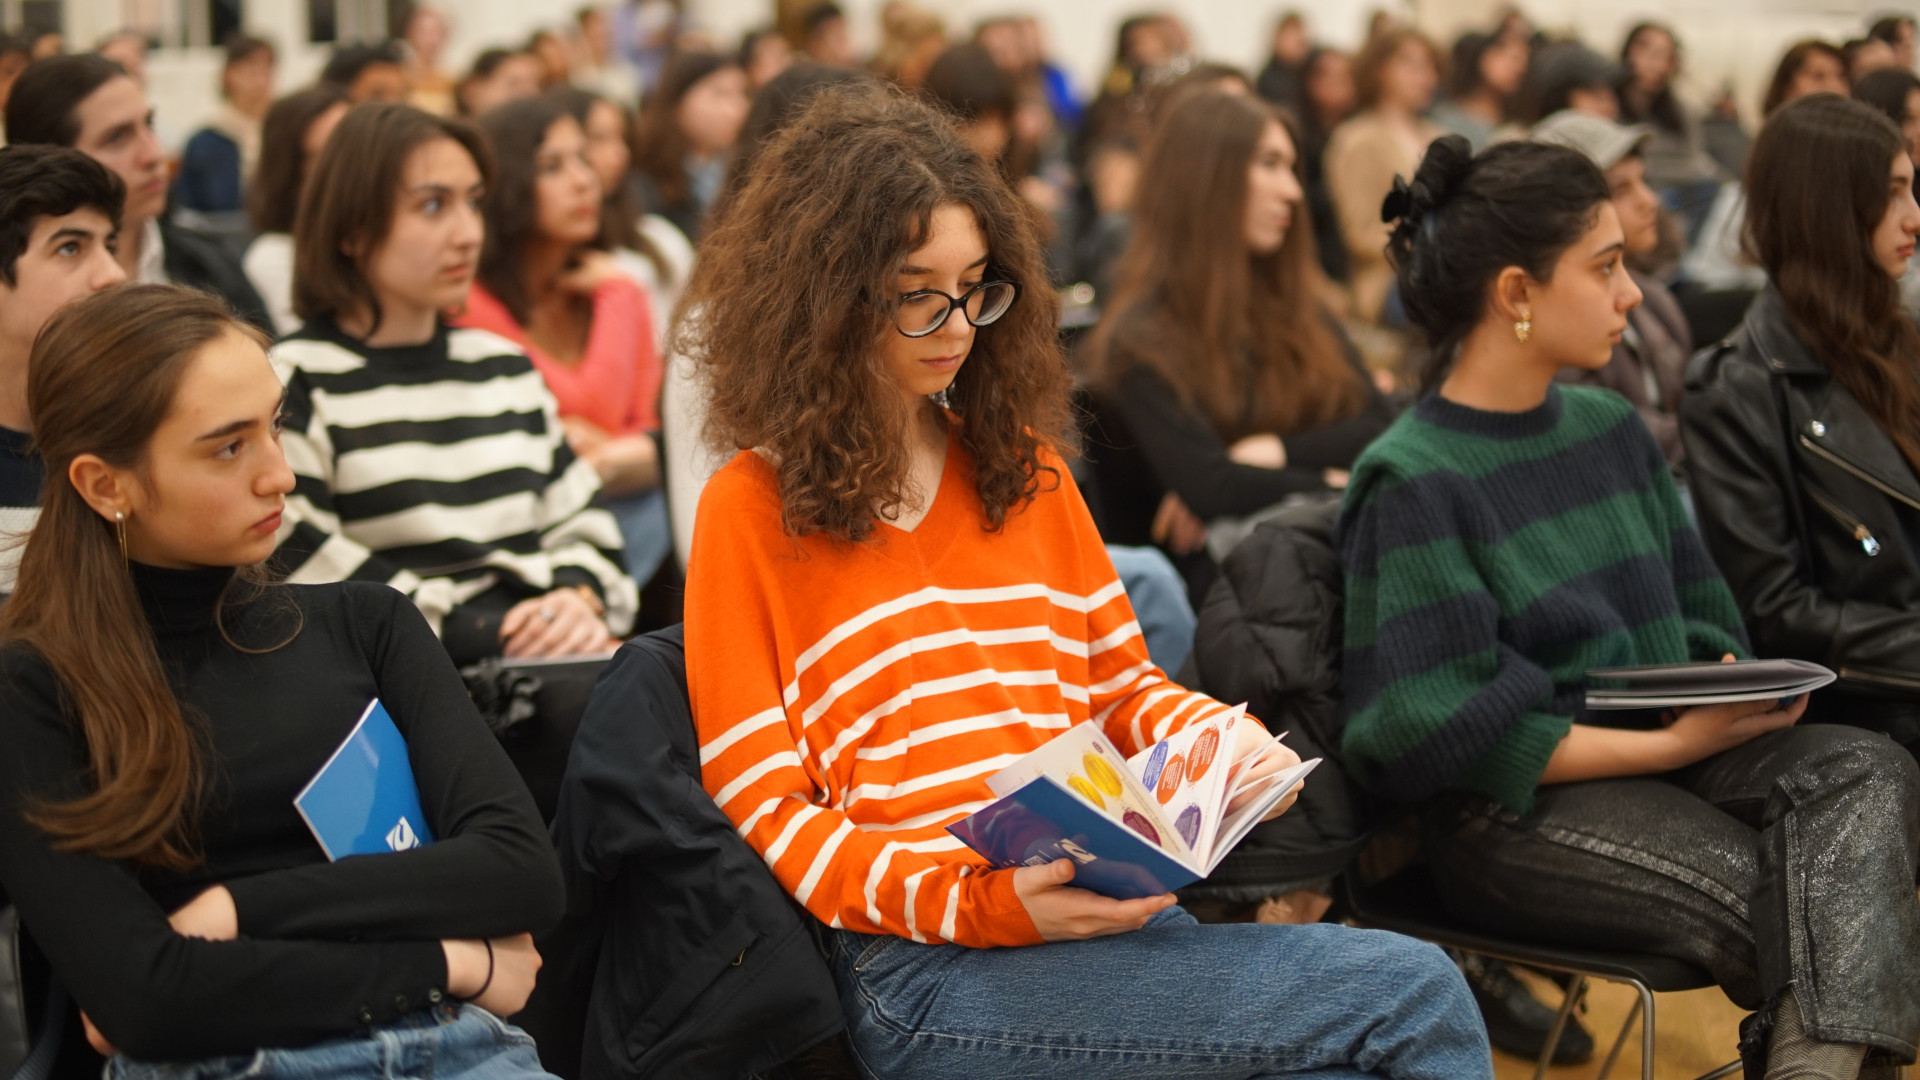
(91,104)
(59,229)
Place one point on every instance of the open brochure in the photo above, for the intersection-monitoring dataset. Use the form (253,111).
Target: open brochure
(1681,686)
(1136,827)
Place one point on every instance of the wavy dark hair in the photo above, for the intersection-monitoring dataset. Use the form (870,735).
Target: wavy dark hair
(1464,219)
(1816,190)
(794,290)
(619,219)
(512,205)
(1193,303)
(102,378)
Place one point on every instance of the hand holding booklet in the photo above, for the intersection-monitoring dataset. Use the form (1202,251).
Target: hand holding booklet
(1135,827)
(1683,686)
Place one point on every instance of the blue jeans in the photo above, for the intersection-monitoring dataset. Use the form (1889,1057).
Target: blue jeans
(1173,1001)
(1158,595)
(644,527)
(446,1042)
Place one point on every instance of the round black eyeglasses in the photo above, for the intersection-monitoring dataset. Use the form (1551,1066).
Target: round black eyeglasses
(923,311)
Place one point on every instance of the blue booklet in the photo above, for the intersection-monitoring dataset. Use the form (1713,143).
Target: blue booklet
(364,801)
(1135,827)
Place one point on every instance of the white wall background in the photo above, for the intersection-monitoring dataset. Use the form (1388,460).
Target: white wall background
(1725,40)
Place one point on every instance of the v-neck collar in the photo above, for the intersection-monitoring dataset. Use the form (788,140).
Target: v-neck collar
(928,540)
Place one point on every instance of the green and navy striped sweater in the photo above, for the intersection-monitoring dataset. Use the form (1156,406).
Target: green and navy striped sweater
(1493,558)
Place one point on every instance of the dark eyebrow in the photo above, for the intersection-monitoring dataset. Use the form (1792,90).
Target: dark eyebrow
(917,271)
(224,430)
(1611,249)
(71,232)
(118,130)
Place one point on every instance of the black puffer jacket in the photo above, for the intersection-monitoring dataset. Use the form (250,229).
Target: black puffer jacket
(1812,514)
(680,955)
(1270,635)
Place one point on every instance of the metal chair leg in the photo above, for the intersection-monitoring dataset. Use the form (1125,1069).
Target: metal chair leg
(1574,993)
(1620,1040)
(1646,1030)
(1730,1069)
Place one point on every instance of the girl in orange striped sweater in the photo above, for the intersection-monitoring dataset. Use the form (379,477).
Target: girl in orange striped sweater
(895,590)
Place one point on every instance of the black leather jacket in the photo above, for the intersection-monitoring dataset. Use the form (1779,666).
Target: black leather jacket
(1812,514)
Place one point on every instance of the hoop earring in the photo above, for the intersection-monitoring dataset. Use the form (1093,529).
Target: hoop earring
(1522,329)
(120,529)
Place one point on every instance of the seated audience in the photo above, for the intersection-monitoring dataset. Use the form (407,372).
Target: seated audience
(425,37)
(497,77)
(1510,533)
(296,130)
(1718,259)
(647,247)
(162,706)
(1898,32)
(597,66)
(839,759)
(1327,93)
(1567,76)
(1803,429)
(431,458)
(1808,67)
(1217,350)
(1649,363)
(371,72)
(1675,150)
(911,39)
(220,159)
(91,104)
(1897,95)
(826,38)
(1487,72)
(547,286)
(1864,56)
(687,130)
(977,96)
(1279,79)
(763,55)
(1394,79)
(556,65)
(59,225)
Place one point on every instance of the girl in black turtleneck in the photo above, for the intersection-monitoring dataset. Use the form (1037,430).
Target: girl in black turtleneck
(161,706)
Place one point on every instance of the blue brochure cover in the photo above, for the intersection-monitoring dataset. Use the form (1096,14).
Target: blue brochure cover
(363,801)
(1042,822)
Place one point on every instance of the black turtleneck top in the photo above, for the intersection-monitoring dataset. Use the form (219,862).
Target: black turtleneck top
(325,949)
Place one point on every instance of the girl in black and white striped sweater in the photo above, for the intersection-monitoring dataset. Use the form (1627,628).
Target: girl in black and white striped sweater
(428,457)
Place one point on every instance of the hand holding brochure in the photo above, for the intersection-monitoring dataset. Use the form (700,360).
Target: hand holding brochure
(1682,686)
(1135,827)
(363,801)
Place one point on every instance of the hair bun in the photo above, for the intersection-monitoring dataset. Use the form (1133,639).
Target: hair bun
(1446,164)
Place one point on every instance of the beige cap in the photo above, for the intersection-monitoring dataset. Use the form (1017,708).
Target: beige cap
(1603,141)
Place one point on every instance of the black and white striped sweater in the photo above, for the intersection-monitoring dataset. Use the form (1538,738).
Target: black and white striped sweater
(440,469)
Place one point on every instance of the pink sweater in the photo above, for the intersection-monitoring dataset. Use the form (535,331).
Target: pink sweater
(615,385)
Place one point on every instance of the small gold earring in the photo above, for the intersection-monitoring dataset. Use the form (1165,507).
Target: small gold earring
(120,529)
(1522,329)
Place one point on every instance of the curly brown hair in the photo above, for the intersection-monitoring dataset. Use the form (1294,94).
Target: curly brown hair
(795,289)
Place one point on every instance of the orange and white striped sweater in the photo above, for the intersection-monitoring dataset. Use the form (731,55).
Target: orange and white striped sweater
(852,699)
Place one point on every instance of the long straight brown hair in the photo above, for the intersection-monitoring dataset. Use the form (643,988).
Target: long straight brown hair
(1244,338)
(1816,189)
(102,378)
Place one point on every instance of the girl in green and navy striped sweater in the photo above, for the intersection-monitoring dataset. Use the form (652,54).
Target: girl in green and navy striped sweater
(1505,536)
